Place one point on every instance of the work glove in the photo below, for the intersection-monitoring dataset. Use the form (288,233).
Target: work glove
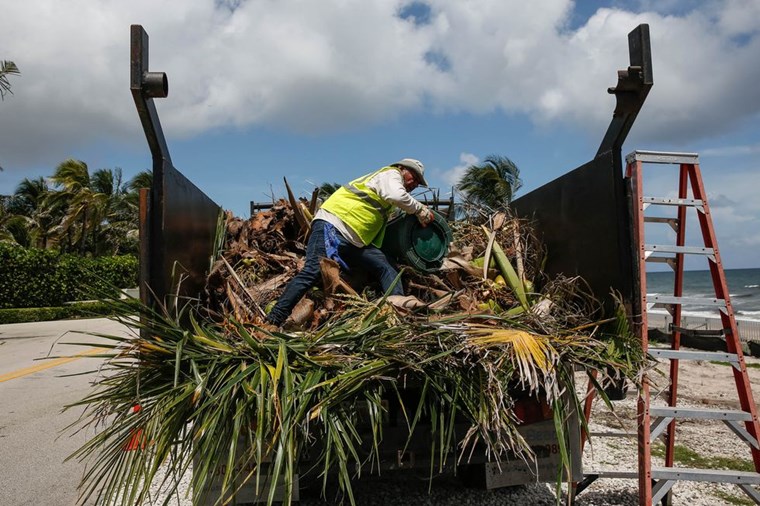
(408,302)
(425,216)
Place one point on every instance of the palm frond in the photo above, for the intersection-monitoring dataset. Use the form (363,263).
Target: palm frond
(215,396)
(6,68)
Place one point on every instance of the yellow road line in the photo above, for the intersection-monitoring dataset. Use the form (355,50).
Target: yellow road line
(48,364)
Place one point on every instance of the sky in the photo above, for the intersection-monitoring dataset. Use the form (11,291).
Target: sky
(328,90)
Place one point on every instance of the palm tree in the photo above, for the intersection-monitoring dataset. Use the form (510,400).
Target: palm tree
(327,189)
(107,196)
(143,179)
(6,68)
(117,209)
(12,226)
(30,195)
(492,183)
(101,211)
(126,222)
(31,200)
(73,177)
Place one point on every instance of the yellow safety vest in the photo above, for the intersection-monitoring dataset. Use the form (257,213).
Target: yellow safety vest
(361,209)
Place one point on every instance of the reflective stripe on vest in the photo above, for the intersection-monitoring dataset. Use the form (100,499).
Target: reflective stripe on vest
(361,209)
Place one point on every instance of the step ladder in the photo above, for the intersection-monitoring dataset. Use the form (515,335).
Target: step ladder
(655,483)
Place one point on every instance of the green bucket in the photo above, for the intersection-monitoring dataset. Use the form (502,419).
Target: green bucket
(424,248)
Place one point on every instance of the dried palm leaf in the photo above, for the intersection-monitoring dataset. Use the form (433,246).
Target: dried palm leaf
(297,210)
(331,279)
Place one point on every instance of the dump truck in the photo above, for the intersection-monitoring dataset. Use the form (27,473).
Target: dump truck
(582,217)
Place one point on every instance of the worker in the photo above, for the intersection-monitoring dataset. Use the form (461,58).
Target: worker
(349,228)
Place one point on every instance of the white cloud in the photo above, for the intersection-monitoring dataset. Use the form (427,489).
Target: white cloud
(454,174)
(720,200)
(739,17)
(335,65)
(735,212)
(743,150)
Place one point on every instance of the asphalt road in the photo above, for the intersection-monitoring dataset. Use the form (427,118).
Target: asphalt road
(33,392)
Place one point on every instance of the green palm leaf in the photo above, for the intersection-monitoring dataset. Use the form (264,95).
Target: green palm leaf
(7,68)
(492,183)
(223,394)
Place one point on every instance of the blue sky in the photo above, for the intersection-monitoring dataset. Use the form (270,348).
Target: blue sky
(326,91)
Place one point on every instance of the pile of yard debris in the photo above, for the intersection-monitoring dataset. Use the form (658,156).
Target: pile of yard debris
(263,253)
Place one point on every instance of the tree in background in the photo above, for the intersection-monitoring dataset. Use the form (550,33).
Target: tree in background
(31,200)
(110,216)
(327,189)
(491,183)
(30,195)
(119,223)
(143,179)
(13,227)
(7,68)
(95,214)
(72,179)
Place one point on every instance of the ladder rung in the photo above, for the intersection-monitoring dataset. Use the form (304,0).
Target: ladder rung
(700,414)
(715,356)
(661,418)
(612,433)
(709,475)
(605,473)
(659,219)
(697,301)
(663,260)
(661,157)
(663,201)
(700,332)
(688,250)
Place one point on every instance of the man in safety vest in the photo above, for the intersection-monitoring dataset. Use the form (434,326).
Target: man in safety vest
(349,228)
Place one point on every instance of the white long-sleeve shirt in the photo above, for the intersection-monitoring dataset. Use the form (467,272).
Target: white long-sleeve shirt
(389,186)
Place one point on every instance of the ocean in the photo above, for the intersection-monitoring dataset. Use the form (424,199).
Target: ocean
(743,288)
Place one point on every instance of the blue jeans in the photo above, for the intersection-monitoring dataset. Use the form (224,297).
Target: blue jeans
(369,258)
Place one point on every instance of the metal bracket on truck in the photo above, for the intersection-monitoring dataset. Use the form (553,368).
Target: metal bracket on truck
(178,222)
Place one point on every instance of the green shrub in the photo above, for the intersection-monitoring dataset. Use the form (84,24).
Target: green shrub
(67,312)
(96,278)
(41,278)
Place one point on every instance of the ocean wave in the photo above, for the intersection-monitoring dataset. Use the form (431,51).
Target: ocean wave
(707,296)
(694,295)
(750,316)
(701,314)
(751,286)
(691,314)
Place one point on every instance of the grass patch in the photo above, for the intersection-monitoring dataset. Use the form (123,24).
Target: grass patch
(75,310)
(740,500)
(749,366)
(690,458)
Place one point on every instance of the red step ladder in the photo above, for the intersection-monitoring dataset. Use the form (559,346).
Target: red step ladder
(655,483)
